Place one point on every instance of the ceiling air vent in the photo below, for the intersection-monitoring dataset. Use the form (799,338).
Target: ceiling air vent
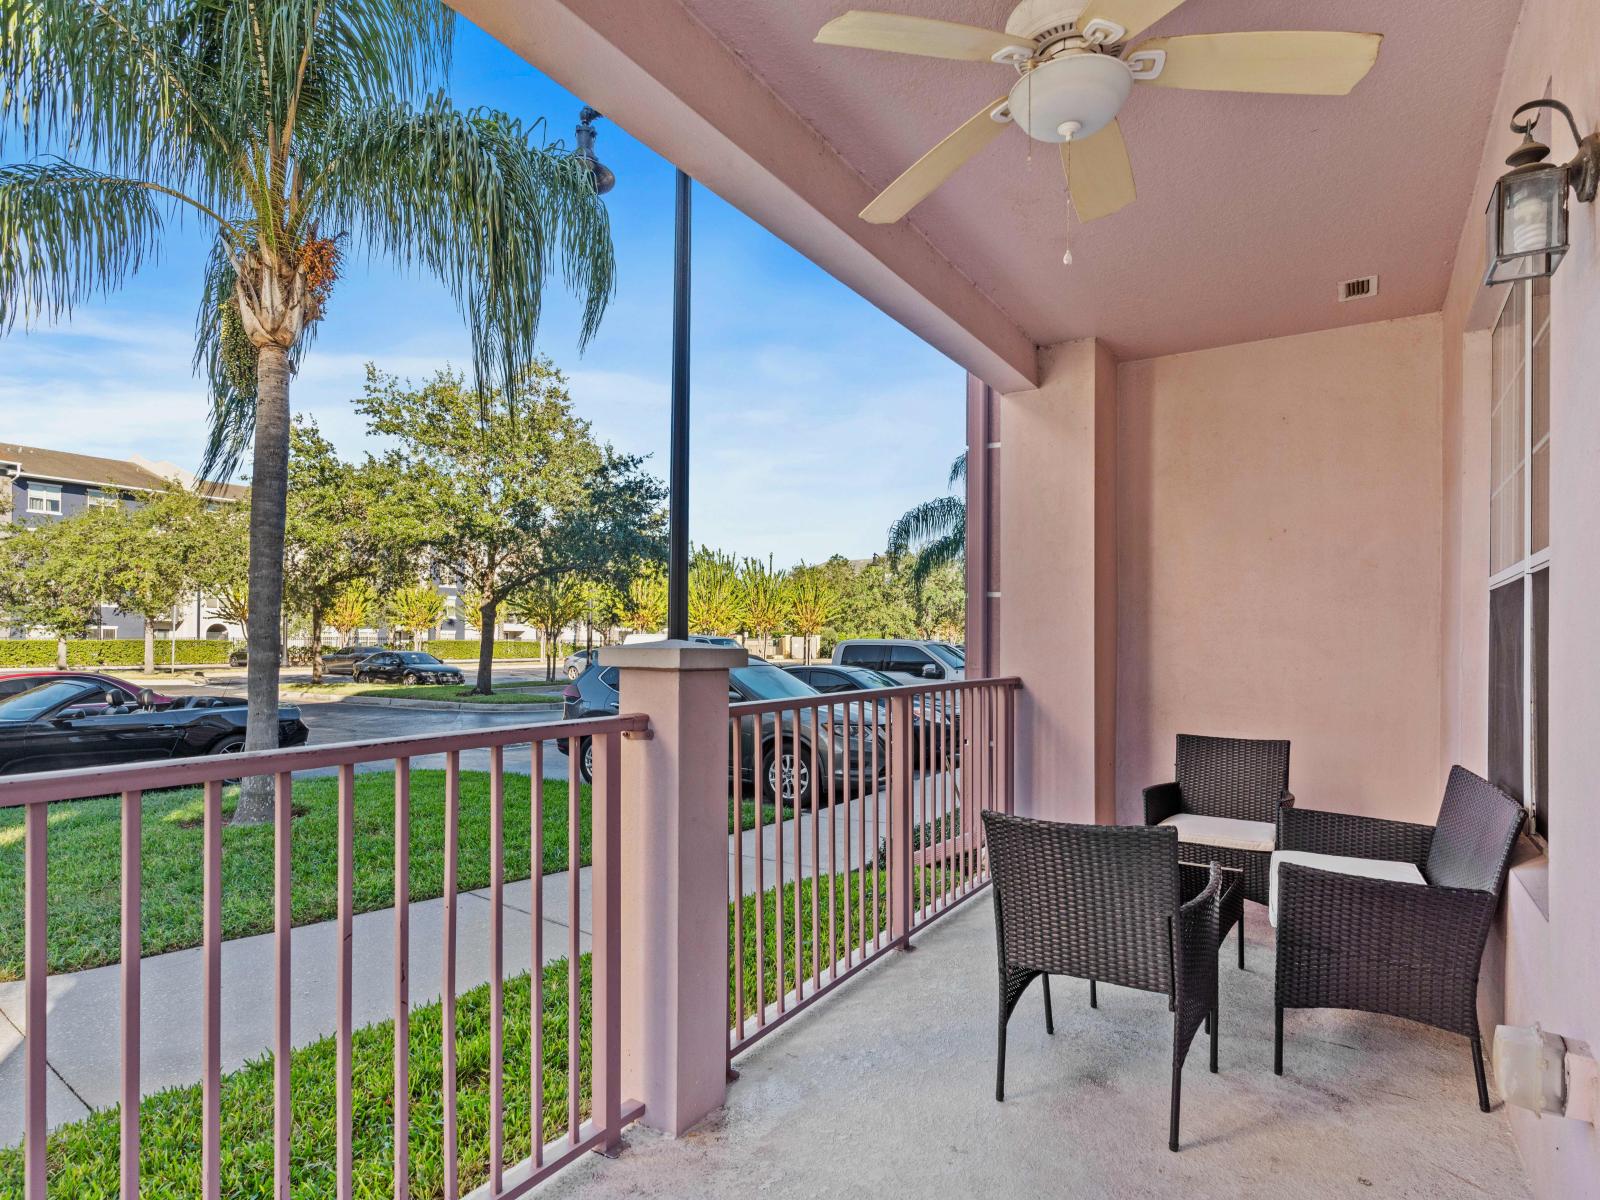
(1358,289)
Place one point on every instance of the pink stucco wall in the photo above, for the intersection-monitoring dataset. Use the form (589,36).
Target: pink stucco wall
(1278,554)
(1545,963)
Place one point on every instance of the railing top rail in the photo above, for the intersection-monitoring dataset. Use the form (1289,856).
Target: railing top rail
(757,708)
(45,787)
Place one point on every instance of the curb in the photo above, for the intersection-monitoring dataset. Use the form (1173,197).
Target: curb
(360,701)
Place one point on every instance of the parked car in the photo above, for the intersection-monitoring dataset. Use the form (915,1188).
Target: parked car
(705,639)
(785,772)
(837,680)
(13,682)
(343,661)
(907,659)
(410,667)
(69,724)
(576,663)
(239,657)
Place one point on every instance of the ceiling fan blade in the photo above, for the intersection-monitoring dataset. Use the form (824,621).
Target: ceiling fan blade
(1308,63)
(1133,15)
(1099,176)
(913,35)
(934,167)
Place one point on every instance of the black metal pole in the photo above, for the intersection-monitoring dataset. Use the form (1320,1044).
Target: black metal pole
(678,480)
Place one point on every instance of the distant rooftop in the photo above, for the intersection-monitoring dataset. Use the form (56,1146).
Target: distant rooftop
(136,473)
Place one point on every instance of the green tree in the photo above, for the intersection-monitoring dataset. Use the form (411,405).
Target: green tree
(549,604)
(233,604)
(934,533)
(344,523)
(54,576)
(764,596)
(602,606)
(716,603)
(644,604)
(509,494)
(414,609)
(813,601)
(171,544)
(353,609)
(292,130)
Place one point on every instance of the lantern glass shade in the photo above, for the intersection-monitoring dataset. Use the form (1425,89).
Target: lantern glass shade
(1527,223)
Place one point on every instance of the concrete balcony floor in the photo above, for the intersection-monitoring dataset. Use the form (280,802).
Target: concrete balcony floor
(886,1088)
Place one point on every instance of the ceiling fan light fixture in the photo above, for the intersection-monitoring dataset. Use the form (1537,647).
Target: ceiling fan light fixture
(1087,89)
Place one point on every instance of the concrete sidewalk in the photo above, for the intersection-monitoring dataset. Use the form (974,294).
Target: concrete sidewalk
(85,1038)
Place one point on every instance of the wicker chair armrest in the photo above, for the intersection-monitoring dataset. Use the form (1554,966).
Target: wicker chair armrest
(1322,832)
(1161,800)
(1199,925)
(1286,800)
(1386,919)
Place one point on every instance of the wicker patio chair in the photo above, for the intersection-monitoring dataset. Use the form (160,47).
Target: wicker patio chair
(1391,917)
(1102,903)
(1224,804)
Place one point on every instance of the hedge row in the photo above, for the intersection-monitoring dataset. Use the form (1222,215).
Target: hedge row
(452,649)
(110,652)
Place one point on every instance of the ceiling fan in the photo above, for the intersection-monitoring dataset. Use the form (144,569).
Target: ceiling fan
(1075,71)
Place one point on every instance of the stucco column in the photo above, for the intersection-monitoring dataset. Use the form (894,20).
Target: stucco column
(1057,622)
(674,879)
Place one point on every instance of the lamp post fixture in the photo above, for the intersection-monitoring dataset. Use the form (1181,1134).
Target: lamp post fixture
(604,178)
(1527,213)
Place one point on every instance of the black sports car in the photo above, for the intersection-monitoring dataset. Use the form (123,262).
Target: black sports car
(63,724)
(405,666)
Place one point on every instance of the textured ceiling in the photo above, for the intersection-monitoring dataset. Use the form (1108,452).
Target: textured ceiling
(1251,209)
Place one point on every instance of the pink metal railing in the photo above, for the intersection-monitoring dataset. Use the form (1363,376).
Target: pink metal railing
(886,788)
(609,1111)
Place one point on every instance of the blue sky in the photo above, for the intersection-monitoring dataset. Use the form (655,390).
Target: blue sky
(817,419)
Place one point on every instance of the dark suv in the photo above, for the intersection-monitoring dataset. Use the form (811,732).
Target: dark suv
(594,694)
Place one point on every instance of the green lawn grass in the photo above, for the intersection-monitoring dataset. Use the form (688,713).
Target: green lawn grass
(85,864)
(83,1156)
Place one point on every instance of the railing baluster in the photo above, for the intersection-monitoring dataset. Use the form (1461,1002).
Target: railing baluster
(497,957)
(780,954)
(877,823)
(816,858)
(574,992)
(849,792)
(605,1070)
(797,759)
(132,950)
(36,966)
(211,1024)
(447,1048)
(282,1004)
(758,786)
(536,920)
(736,1017)
(345,1067)
(402,979)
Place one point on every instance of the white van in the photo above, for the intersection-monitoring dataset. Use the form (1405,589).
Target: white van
(906,659)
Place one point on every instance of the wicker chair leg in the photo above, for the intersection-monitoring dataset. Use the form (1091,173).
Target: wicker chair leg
(1241,941)
(1177,1087)
(1477,1069)
(1277,1039)
(1049,1017)
(1000,1062)
(1211,1027)
(1094,996)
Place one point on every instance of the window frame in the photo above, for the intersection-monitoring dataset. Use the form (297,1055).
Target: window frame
(41,490)
(1535,724)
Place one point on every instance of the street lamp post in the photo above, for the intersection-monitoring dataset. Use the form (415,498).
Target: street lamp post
(678,463)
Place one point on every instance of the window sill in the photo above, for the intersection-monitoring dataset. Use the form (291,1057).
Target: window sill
(1530,871)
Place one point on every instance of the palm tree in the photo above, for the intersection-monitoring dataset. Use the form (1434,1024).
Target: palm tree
(934,533)
(295,132)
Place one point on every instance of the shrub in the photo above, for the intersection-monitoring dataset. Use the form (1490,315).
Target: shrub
(110,652)
(450,649)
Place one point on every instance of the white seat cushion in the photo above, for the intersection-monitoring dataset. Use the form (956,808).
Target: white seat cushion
(1370,868)
(1224,831)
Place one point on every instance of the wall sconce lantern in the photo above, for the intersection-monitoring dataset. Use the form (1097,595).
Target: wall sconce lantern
(604,179)
(1527,214)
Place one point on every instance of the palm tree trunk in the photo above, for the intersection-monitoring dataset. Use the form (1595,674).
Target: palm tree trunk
(487,616)
(268,492)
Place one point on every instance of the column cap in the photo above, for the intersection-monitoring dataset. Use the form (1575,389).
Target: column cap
(674,656)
